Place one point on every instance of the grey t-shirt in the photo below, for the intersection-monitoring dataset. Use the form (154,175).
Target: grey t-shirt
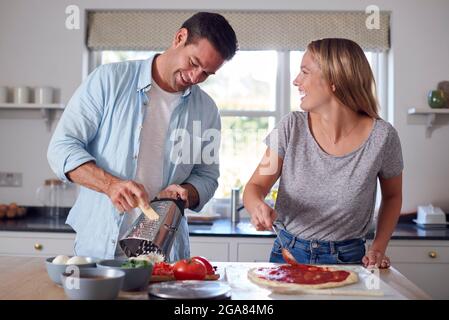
(326,197)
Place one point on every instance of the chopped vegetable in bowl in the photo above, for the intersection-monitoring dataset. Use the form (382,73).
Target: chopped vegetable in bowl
(133,263)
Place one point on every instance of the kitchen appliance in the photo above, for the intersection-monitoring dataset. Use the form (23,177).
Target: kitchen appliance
(146,235)
(430,217)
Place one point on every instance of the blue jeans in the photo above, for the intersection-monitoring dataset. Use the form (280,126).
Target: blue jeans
(318,252)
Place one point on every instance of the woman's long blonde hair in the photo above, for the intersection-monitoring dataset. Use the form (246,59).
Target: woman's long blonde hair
(344,65)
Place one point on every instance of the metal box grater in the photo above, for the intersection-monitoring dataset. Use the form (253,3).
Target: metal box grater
(147,235)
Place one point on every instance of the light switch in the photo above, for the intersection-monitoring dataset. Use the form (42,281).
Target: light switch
(10,179)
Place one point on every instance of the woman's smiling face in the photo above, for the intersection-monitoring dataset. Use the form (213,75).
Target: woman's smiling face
(314,90)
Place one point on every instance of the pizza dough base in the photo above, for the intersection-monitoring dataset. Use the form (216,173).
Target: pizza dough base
(285,286)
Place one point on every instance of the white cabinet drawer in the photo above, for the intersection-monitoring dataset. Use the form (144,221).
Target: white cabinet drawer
(212,250)
(254,252)
(421,254)
(36,244)
(430,277)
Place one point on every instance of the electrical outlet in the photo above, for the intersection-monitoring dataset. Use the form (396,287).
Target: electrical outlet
(10,179)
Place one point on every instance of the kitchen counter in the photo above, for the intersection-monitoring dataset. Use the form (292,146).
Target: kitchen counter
(26,279)
(37,221)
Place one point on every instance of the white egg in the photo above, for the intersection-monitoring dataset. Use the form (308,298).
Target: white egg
(61,259)
(77,260)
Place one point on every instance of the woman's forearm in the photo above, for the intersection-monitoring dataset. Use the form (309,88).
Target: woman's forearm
(253,196)
(389,212)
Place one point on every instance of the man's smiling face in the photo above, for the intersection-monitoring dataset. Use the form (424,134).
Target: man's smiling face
(192,63)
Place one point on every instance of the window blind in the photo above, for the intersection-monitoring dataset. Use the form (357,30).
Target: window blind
(256,30)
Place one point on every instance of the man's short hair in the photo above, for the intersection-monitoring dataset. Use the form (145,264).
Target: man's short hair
(216,29)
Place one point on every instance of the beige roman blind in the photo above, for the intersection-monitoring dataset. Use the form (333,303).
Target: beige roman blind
(256,30)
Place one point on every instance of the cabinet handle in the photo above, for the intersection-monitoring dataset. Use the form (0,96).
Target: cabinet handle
(38,246)
(432,254)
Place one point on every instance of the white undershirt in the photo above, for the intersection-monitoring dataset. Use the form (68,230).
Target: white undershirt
(150,163)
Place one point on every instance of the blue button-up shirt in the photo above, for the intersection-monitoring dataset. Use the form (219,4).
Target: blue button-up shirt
(102,123)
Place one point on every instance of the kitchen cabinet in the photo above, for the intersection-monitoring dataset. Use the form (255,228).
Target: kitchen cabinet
(215,249)
(426,263)
(45,244)
(240,249)
(36,244)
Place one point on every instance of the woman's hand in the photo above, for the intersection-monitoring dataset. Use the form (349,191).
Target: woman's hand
(262,216)
(376,258)
(266,174)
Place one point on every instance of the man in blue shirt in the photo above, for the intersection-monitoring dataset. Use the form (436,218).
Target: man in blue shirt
(126,136)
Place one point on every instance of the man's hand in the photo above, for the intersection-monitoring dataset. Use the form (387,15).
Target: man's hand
(263,216)
(126,194)
(175,191)
(376,258)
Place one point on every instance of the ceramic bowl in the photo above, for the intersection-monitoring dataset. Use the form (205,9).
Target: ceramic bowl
(55,270)
(93,283)
(135,278)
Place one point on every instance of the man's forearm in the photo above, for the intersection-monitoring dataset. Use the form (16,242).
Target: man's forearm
(91,176)
(389,212)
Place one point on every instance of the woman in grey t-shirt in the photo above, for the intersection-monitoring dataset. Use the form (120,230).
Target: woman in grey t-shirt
(329,159)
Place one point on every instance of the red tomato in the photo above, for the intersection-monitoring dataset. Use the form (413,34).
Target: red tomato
(189,269)
(207,264)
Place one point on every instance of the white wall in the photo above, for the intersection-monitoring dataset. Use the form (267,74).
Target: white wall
(37,49)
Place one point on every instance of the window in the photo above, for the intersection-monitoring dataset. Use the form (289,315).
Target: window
(253,92)
(247,82)
(244,90)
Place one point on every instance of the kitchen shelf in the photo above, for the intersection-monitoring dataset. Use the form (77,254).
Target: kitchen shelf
(431,116)
(45,109)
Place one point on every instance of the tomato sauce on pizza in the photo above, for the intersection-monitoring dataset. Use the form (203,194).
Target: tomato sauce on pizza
(301,274)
